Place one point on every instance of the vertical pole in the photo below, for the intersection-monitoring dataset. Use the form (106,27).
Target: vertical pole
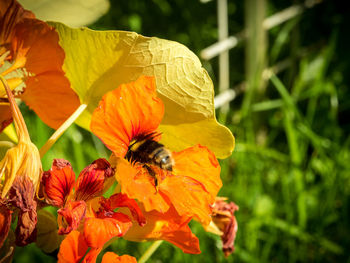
(224,74)
(255,60)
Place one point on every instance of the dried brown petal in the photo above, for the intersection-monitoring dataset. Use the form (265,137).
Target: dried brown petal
(21,196)
(224,218)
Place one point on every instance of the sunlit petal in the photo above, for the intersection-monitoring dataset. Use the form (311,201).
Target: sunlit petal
(110,257)
(91,180)
(70,216)
(58,182)
(73,248)
(167,226)
(97,231)
(129,111)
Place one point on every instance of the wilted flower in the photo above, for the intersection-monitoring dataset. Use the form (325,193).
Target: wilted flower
(224,223)
(31,59)
(127,117)
(88,219)
(20,171)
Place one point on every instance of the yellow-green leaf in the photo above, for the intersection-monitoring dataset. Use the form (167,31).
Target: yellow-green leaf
(99,61)
(47,232)
(9,134)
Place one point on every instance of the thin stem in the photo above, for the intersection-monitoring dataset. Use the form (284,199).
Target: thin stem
(149,252)
(6,144)
(20,125)
(57,134)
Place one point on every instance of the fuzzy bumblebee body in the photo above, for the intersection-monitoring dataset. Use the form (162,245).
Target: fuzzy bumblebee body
(147,151)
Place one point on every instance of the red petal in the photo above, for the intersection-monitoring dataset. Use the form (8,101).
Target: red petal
(127,112)
(58,182)
(71,216)
(91,180)
(73,248)
(11,13)
(121,200)
(5,223)
(110,257)
(97,231)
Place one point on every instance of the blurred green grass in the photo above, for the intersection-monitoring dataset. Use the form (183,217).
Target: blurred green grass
(289,173)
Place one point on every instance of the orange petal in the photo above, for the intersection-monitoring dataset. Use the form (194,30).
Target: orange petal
(136,183)
(91,256)
(91,180)
(97,231)
(191,188)
(48,91)
(127,112)
(195,183)
(35,49)
(168,226)
(73,248)
(58,182)
(70,216)
(110,257)
(50,96)
(121,200)
(5,117)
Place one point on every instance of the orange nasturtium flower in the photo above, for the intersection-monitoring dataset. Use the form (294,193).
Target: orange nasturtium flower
(20,172)
(31,60)
(88,219)
(132,112)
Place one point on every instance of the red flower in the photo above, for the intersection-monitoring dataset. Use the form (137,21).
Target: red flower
(127,117)
(89,219)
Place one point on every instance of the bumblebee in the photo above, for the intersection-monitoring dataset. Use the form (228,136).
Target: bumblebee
(146,151)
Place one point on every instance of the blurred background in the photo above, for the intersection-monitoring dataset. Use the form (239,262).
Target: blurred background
(281,74)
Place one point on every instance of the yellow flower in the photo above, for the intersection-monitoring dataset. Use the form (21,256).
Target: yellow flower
(20,171)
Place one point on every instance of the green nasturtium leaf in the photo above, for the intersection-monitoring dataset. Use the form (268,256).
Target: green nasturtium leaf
(48,238)
(99,61)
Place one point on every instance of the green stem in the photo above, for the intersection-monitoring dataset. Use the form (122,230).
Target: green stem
(149,252)
(57,134)
(6,144)
(21,128)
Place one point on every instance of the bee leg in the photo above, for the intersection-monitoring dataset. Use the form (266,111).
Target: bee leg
(156,183)
(153,174)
